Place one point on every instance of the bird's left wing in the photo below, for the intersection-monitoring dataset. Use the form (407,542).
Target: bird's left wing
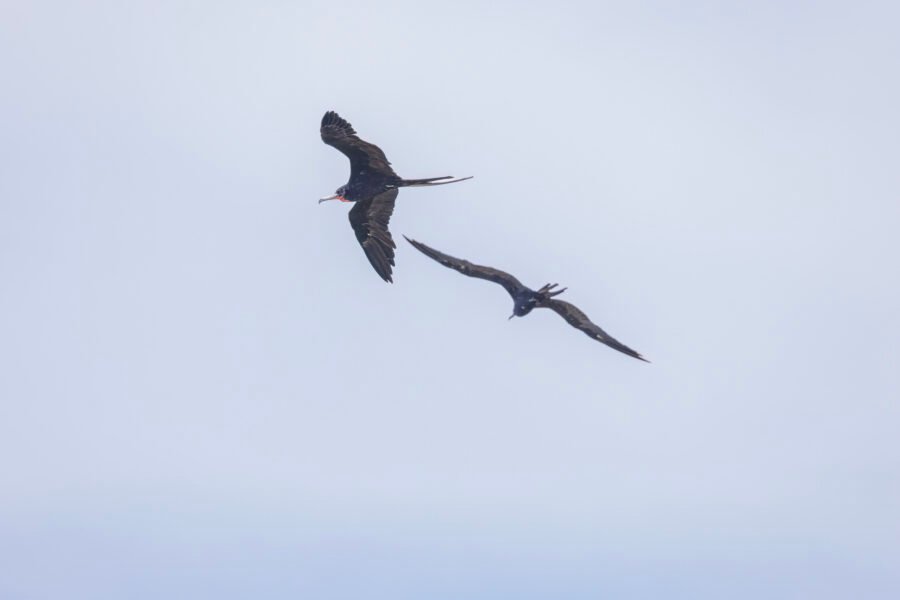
(364,156)
(512,285)
(579,320)
(369,219)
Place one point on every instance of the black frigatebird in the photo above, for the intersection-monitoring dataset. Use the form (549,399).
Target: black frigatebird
(525,299)
(373,187)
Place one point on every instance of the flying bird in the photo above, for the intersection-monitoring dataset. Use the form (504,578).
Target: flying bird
(525,299)
(373,186)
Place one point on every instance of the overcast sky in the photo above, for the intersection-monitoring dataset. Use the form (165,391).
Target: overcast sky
(207,392)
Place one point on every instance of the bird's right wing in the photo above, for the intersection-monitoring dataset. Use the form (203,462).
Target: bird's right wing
(369,219)
(512,285)
(579,320)
(364,157)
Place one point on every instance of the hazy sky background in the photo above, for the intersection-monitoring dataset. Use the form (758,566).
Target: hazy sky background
(207,392)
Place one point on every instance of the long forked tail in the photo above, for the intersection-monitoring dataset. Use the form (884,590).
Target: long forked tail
(432,181)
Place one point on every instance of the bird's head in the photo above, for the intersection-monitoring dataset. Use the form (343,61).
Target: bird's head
(339,194)
(520,309)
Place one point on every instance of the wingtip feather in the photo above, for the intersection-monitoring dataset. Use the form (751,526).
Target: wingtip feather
(332,119)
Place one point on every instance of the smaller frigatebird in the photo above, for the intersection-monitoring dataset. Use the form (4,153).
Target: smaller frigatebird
(373,185)
(525,299)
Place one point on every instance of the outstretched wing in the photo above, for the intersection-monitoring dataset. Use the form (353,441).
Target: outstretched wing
(369,219)
(512,285)
(364,157)
(579,320)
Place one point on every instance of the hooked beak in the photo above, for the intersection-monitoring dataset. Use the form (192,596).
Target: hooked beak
(335,197)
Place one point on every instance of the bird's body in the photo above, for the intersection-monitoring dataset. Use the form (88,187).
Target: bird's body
(373,186)
(525,299)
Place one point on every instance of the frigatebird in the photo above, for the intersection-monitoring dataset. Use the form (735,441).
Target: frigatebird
(373,186)
(525,299)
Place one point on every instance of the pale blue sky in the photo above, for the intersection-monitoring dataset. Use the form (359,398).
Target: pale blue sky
(208,393)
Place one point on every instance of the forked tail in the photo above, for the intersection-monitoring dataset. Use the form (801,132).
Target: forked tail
(432,181)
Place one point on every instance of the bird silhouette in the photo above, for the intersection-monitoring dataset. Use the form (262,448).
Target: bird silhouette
(525,299)
(373,186)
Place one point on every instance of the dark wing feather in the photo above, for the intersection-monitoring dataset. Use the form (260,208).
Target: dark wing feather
(579,320)
(364,157)
(369,219)
(512,285)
